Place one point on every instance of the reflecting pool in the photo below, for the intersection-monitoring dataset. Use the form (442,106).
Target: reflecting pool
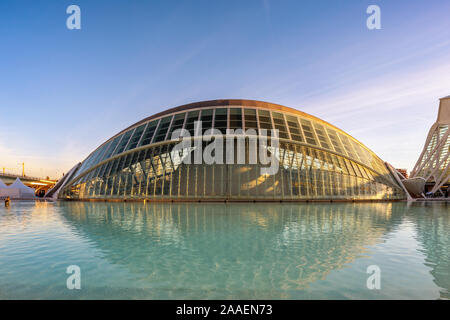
(225,251)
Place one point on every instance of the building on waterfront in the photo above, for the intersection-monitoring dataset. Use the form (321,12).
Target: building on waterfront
(316,161)
(432,170)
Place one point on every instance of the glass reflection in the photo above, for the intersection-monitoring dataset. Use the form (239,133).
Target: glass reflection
(319,175)
(263,250)
(212,251)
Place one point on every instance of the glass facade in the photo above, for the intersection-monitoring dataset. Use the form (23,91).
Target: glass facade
(316,160)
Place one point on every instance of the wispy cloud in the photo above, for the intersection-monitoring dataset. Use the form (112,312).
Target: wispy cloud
(388,93)
(392,114)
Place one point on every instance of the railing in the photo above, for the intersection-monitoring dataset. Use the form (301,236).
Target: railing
(20,176)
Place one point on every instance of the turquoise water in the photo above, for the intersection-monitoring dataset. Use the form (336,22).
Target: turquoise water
(224,251)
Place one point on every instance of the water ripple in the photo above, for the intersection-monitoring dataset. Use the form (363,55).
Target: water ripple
(217,251)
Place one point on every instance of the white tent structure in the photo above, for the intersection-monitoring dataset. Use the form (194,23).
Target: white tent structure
(2,184)
(17,190)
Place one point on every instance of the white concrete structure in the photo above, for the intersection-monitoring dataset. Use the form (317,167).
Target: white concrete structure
(434,161)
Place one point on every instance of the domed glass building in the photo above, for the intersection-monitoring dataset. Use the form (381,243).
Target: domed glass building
(315,160)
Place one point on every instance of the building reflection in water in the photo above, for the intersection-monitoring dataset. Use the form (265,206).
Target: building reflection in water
(433,225)
(221,251)
(281,246)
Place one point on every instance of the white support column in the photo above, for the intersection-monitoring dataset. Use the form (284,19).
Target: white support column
(394,173)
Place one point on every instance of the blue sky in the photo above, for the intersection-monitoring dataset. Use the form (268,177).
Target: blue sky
(63,92)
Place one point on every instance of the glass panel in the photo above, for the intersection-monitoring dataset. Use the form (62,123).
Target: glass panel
(175,180)
(278,120)
(135,138)
(335,141)
(103,169)
(294,128)
(159,171)
(113,146)
(342,165)
(162,129)
(109,182)
(323,139)
(350,168)
(369,174)
(192,179)
(356,168)
(348,147)
(148,134)
(235,118)
(97,156)
(308,131)
(250,119)
(183,180)
(363,171)
(177,123)
(265,121)
(303,173)
(360,153)
(148,185)
(191,118)
(123,142)
(220,120)
(86,164)
(206,118)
